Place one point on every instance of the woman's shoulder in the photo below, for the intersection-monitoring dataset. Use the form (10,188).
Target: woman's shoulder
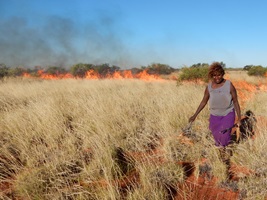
(209,84)
(227,81)
(230,85)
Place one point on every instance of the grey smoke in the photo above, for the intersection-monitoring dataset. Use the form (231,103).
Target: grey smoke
(60,41)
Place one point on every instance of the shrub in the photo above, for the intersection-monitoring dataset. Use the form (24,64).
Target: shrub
(53,70)
(3,70)
(17,71)
(257,71)
(247,67)
(80,69)
(157,68)
(194,74)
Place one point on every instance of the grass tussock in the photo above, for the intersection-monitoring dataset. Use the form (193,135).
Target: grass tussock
(112,139)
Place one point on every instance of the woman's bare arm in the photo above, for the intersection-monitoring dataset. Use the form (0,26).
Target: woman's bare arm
(236,103)
(201,105)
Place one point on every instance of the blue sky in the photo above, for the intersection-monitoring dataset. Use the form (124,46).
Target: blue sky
(133,33)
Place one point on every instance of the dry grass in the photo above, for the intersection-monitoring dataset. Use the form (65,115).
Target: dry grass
(241,75)
(71,139)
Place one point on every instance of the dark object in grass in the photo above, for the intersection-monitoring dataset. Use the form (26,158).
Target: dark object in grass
(247,127)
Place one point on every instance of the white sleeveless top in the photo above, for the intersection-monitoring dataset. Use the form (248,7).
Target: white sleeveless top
(220,101)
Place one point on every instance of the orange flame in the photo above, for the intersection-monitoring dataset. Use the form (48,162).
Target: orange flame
(115,75)
(43,75)
(92,74)
(26,75)
(127,74)
(145,76)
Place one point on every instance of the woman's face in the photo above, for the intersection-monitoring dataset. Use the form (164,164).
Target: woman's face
(217,77)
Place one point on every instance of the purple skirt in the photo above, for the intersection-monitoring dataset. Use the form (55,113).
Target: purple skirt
(219,125)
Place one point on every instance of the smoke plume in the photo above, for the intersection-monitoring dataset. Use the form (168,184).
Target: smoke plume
(61,42)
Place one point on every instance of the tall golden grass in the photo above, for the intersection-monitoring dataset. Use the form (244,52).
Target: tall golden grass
(68,139)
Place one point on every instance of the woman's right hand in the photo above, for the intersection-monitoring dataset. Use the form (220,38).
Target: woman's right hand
(191,119)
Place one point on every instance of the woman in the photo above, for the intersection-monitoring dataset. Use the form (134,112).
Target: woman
(223,103)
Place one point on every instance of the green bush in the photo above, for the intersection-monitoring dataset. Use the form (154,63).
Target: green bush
(257,71)
(80,69)
(17,71)
(3,70)
(157,68)
(247,67)
(53,70)
(194,74)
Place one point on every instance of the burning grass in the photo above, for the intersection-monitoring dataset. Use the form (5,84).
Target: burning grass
(93,74)
(119,139)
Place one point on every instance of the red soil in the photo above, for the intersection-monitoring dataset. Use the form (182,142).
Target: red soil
(6,190)
(204,188)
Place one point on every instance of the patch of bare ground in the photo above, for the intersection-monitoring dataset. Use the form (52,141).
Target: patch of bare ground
(6,190)
(204,187)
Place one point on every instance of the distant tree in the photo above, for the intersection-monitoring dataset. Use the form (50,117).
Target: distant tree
(3,70)
(34,71)
(143,67)
(17,71)
(157,68)
(223,64)
(53,70)
(247,67)
(114,68)
(105,69)
(80,69)
(136,70)
(199,65)
(206,65)
(257,71)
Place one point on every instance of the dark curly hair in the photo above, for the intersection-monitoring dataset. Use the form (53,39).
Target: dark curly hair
(214,68)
